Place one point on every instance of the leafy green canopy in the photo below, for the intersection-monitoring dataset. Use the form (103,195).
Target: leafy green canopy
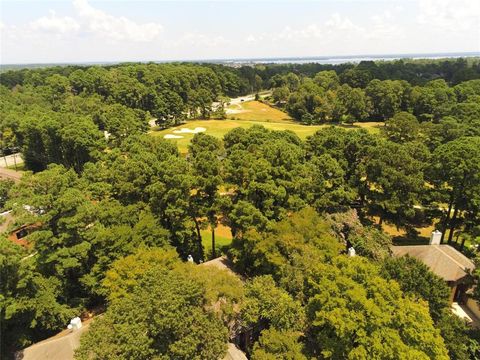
(161,308)
(353,313)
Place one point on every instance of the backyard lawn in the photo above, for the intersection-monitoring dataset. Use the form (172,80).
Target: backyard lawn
(223,237)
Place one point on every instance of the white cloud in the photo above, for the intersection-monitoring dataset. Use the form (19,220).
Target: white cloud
(251,39)
(116,28)
(201,40)
(383,27)
(337,28)
(338,23)
(450,15)
(334,26)
(55,24)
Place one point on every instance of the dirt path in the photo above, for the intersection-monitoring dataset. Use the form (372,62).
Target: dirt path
(10,174)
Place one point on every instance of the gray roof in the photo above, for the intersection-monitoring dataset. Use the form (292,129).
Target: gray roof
(59,347)
(63,348)
(443,260)
(63,345)
(222,263)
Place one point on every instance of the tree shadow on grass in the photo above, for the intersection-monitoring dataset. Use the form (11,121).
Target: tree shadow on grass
(410,240)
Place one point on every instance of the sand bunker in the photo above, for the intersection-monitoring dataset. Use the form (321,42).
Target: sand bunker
(189,131)
(171,136)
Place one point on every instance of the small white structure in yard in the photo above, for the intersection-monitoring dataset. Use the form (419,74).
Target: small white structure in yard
(190,258)
(436,237)
(351,251)
(75,324)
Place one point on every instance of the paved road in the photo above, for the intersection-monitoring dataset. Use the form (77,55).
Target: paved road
(241,99)
(10,160)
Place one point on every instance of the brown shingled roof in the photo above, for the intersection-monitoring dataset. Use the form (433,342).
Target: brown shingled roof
(443,260)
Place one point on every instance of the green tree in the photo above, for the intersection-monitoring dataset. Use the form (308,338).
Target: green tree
(387,97)
(280,94)
(455,172)
(268,306)
(402,127)
(120,121)
(163,317)
(275,252)
(5,186)
(30,303)
(355,103)
(458,337)
(282,345)
(394,180)
(327,80)
(353,313)
(265,168)
(162,308)
(327,188)
(204,154)
(432,101)
(416,279)
(356,78)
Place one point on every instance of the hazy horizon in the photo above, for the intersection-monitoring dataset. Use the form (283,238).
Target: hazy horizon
(325,59)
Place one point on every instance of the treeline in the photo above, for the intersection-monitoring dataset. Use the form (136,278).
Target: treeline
(415,72)
(170,93)
(353,96)
(63,115)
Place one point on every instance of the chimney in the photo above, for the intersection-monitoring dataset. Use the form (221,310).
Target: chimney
(435,237)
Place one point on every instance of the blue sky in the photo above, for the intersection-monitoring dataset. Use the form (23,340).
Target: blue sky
(87,30)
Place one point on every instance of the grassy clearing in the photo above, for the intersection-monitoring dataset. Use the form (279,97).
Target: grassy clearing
(257,114)
(257,111)
(219,128)
(400,236)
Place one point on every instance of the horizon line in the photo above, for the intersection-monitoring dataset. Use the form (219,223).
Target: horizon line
(392,56)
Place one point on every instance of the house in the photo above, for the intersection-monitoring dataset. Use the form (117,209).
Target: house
(446,262)
(240,337)
(59,347)
(62,346)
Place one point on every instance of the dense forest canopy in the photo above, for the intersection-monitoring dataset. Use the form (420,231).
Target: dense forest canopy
(113,212)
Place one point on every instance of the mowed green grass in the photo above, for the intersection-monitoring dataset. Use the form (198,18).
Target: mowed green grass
(219,128)
(257,114)
(220,242)
(223,237)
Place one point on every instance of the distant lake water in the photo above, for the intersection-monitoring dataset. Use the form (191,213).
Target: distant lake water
(344,59)
(273,60)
